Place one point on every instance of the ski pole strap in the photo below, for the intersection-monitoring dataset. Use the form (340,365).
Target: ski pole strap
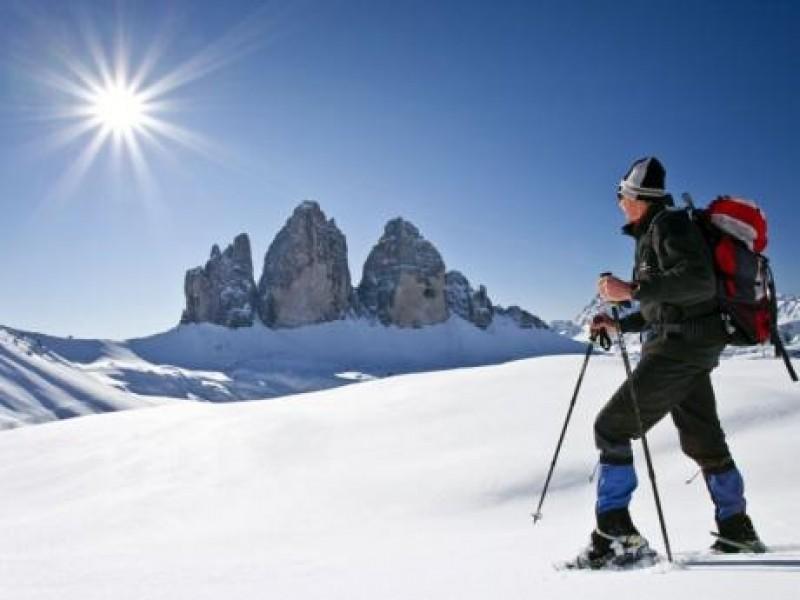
(602,339)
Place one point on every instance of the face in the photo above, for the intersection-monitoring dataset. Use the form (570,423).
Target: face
(634,209)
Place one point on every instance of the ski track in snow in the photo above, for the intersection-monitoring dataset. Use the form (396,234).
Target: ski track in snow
(414,486)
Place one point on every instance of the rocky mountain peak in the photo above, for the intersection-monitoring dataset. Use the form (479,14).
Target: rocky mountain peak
(222,292)
(404,279)
(400,228)
(471,305)
(306,278)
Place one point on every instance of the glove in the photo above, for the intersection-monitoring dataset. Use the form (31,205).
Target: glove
(599,330)
(601,322)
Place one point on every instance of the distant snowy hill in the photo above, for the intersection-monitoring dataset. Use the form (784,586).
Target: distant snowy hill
(789,317)
(412,487)
(37,384)
(44,377)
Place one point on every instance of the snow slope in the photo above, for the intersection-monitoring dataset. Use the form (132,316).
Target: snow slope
(37,385)
(209,362)
(417,486)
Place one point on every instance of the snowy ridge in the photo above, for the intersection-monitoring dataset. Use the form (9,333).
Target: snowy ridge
(44,377)
(789,318)
(418,486)
(37,385)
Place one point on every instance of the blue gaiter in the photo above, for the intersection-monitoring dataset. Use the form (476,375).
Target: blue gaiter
(615,487)
(727,492)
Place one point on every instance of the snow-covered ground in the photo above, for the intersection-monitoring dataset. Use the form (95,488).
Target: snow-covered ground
(38,385)
(44,377)
(415,486)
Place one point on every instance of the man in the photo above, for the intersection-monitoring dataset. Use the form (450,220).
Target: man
(683,335)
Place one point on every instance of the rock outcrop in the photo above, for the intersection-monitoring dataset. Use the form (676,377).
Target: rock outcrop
(473,306)
(566,328)
(403,282)
(306,278)
(222,292)
(521,317)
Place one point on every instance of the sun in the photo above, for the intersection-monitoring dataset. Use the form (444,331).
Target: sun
(111,105)
(123,102)
(119,109)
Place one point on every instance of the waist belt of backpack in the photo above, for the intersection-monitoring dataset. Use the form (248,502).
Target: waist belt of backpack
(697,327)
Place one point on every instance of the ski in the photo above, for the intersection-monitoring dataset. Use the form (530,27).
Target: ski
(784,563)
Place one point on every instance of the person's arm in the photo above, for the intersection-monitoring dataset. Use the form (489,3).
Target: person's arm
(687,274)
(632,323)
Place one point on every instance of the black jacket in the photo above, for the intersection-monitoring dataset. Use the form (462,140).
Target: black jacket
(676,287)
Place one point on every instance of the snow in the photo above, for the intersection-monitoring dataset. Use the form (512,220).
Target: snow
(37,385)
(414,486)
(214,363)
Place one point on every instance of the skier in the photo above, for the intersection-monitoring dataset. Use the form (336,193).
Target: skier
(683,336)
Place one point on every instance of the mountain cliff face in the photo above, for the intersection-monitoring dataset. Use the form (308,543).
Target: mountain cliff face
(463,300)
(222,292)
(404,279)
(306,278)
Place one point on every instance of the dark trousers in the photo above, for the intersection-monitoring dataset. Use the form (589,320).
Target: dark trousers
(665,385)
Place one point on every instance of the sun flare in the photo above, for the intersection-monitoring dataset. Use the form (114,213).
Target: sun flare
(124,104)
(119,109)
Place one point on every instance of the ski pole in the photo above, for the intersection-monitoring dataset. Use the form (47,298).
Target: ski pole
(605,343)
(650,471)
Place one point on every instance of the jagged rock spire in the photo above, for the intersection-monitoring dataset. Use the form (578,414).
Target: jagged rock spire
(306,278)
(469,304)
(222,292)
(403,279)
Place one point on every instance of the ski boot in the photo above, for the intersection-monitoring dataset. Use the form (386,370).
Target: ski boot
(615,544)
(737,534)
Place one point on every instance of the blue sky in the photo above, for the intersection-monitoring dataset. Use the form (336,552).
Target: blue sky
(499,128)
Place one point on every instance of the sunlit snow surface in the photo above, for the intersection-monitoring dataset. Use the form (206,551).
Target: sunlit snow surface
(415,486)
(44,378)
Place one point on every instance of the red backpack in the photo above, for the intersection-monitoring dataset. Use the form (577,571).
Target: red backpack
(736,231)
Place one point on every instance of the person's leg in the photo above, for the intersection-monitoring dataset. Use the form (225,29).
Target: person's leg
(703,440)
(660,383)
